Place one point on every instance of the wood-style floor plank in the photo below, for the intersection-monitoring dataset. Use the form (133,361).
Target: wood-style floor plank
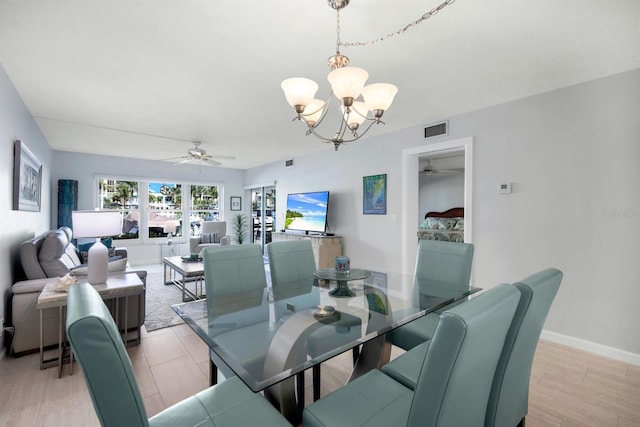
(568,387)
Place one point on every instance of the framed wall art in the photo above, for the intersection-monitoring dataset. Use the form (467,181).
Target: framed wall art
(374,195)
(27,179)
(236,203)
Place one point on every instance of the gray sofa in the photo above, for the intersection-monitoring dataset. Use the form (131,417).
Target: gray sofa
(43,258)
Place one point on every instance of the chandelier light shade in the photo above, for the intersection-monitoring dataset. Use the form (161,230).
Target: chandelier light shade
(299,91)
(355,115)
(313,111)
(348,82)
(96,224)
(379,96)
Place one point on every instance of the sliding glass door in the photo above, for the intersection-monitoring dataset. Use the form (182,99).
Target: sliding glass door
(263,214)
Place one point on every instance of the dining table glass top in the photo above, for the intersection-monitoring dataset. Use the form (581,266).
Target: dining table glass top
(268,335)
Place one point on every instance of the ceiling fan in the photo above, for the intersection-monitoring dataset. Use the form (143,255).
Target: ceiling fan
(198,154)
(429,170)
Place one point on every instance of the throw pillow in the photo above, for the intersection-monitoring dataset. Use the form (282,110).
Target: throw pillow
(459,225)
(117,265)
(84,249)
(209,238)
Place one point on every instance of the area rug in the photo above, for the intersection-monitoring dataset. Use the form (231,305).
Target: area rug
(160,298)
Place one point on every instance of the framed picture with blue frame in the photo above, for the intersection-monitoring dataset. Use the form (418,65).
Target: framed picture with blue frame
(374,195)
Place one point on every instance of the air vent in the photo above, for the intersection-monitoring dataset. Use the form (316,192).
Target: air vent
(288,163)
(436,130)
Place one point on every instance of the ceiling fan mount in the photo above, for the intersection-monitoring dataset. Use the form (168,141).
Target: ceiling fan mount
(197,151)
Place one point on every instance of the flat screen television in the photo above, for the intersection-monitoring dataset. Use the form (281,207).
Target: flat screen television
(307,212)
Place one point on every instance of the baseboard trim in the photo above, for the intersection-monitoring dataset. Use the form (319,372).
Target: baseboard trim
(591,347)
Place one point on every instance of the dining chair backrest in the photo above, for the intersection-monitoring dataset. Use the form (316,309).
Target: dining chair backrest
(509,399)
(448,262)
(455,380)
(98,347)
(290,261)
(291,265)
(234,268)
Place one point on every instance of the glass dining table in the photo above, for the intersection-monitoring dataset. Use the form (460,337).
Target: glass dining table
(267,337)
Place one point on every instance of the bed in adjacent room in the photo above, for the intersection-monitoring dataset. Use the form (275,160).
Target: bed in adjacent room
(446,226)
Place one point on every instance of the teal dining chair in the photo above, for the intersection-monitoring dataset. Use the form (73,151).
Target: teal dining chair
(509,400)
(98,347)
(291,265)
(438,264)
(455,378)
(231,271)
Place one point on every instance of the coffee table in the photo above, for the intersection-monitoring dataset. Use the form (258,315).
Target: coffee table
(182,273)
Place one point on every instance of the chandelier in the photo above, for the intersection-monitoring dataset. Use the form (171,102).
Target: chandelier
(360,106)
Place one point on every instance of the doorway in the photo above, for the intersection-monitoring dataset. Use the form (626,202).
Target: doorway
(411,214)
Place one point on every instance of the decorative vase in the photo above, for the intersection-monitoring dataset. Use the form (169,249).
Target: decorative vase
(343,264)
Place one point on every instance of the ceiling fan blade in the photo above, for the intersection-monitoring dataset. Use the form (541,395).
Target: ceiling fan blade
(187,160)
(171,158)
(210,162)
(452,170)
(222,157)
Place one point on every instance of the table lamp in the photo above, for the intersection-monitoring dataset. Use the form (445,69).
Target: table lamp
(169,228)
(97,224)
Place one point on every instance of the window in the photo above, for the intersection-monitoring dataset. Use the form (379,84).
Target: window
(204,206)
(121,196)
(164,211)
(164,207)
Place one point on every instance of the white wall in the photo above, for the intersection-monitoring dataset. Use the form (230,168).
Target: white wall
(84,168)
(572,156)
(17,123)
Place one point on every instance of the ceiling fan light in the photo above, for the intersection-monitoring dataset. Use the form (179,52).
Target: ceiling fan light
(314,111)
(379,96)
(299,90)
(347,82)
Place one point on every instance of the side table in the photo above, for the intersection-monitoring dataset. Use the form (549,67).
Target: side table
(172,245)
(117,286)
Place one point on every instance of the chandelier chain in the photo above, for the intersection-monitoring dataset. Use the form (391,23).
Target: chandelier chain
(401,31)
(338,42)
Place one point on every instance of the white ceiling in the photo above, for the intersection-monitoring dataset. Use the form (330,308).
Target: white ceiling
(134,77)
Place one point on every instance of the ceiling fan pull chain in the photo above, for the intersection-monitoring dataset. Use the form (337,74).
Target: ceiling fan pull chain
(424,17)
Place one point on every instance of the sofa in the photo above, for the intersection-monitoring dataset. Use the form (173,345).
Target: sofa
(212,233)
(44,258)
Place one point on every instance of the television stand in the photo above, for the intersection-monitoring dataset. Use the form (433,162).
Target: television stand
(325,247)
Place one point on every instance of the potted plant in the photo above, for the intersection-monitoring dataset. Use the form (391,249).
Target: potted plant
(239,227)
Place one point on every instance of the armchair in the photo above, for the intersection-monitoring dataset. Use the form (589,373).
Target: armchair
(212,233)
